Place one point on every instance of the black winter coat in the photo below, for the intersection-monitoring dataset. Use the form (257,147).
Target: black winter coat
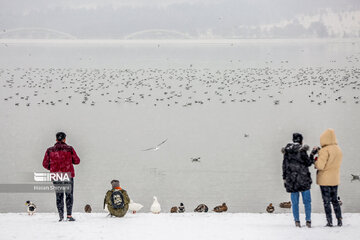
(295,167)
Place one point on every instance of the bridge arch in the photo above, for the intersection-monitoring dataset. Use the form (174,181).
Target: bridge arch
(35,33)
(158,34)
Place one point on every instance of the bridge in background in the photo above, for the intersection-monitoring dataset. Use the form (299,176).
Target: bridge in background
(35,33)
(46,33)
(157,34)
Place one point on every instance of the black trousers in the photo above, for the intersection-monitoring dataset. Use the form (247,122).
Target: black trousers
(66,188)
(329,195)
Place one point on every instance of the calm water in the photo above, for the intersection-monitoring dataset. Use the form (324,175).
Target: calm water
(243,80)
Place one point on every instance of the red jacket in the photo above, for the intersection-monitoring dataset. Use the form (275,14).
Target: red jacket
(60,158)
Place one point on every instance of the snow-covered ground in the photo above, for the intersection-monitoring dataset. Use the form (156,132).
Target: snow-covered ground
(173,226)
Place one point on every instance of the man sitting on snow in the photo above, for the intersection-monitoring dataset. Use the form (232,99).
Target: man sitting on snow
(117,200)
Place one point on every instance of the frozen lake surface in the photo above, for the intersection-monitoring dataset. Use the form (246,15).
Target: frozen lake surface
(234,104)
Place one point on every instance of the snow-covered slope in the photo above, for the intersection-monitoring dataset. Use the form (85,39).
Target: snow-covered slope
(173,226)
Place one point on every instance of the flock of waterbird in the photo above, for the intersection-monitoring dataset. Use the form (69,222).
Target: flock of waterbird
(184,87)
(156,207)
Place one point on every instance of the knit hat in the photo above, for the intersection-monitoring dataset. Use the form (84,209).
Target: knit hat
(297,138)
(115,183)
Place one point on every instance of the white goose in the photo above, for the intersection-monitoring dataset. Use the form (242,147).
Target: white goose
(134,207)
(155,207)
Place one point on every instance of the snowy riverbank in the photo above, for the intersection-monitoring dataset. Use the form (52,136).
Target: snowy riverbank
(173,226)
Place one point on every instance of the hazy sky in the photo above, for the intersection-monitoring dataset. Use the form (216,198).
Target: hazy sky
(227,18)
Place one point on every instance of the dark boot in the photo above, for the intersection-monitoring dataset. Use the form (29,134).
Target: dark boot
(297,224)
(308,224)
(61,218)
(339,223)
(70,219)
(329,223)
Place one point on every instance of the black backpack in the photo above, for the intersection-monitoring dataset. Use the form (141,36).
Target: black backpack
(117,200)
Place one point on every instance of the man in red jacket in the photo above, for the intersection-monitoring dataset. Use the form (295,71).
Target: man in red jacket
(60,159)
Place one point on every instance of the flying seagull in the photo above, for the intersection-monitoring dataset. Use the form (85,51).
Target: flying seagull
(195,159)
(355,177)
(157,147)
